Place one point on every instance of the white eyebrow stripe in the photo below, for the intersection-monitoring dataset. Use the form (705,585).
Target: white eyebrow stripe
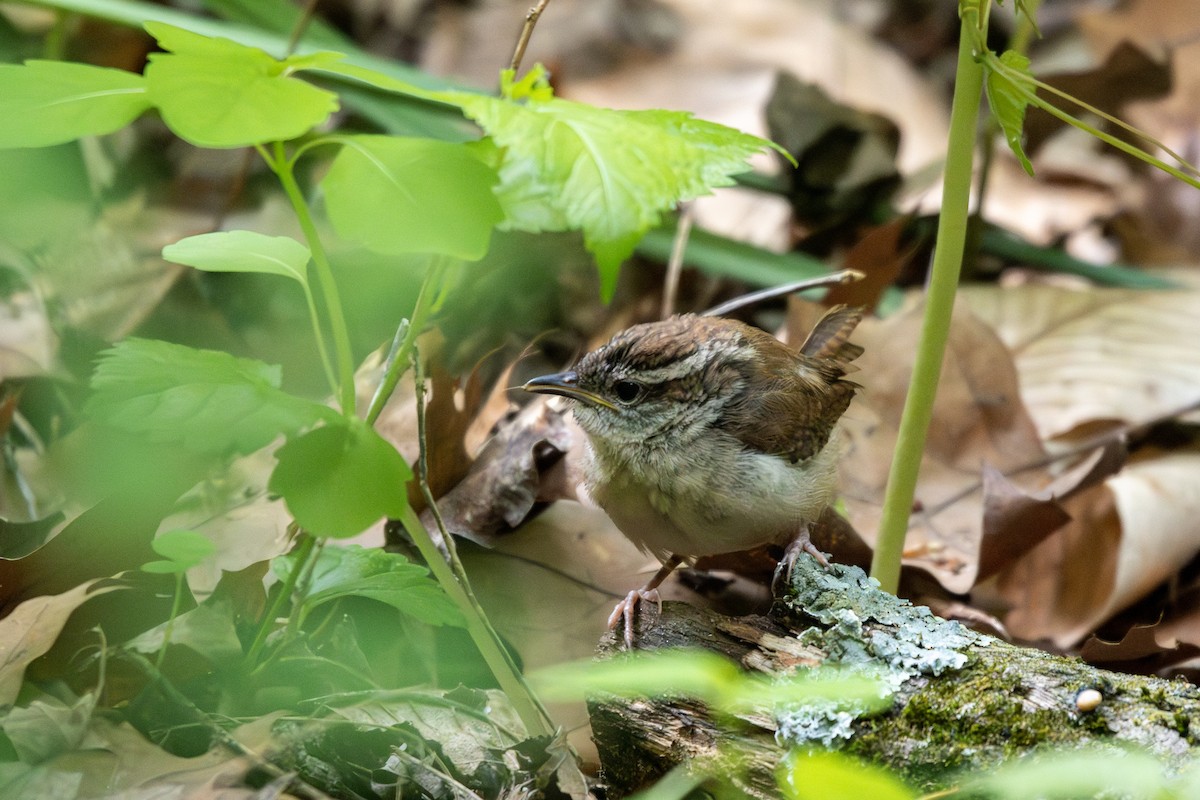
(675,370)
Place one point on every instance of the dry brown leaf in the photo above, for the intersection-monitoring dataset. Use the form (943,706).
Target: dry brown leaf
(1097,355)
(1144,648)
(129,765)
(31,630)
(1149,24)
(503,484)
(880,256)
(1014,520)
(978,418)
(1128,535)
(252,531)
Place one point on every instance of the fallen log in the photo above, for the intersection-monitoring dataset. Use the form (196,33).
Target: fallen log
(962,700)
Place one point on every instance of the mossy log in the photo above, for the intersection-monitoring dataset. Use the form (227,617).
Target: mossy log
(963,700)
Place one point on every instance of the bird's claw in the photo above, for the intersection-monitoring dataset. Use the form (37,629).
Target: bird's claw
(787,564)
(627,609)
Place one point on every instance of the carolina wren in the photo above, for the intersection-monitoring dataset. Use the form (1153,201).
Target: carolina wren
(708,436)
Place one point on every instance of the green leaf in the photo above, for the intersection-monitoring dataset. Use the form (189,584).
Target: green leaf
(704,676)
(834,776)
(182,551)
(390,578)
(242,251)
(340,479)
(1099,772)
(610,173)
(51,102)
(404,195)
(214,92)
(206,401)
(1008,100)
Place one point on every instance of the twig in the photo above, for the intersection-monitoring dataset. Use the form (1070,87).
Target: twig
(683,228)
(531,19)
(302,23)
(837,278)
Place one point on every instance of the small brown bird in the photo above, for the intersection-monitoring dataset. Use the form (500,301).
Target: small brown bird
(708,436)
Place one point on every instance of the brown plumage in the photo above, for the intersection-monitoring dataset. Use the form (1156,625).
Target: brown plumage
(707,436)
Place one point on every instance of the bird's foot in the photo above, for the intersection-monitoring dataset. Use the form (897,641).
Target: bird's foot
(787,565)
(627,609)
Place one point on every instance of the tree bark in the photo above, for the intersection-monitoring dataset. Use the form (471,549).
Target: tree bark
(965,701)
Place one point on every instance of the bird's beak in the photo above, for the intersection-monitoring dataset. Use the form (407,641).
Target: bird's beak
(565,384)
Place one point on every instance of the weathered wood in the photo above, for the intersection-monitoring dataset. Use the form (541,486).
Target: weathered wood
(965,700)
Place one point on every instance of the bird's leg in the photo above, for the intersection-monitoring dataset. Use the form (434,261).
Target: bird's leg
(628,607)
(801,544)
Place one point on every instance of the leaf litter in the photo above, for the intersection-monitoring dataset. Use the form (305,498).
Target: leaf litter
(1063,546)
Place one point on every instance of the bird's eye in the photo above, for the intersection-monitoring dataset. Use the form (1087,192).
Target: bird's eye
(627,391)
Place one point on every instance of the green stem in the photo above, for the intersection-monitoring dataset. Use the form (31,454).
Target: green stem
(513,676)
(453,579)
(480,631)
(939,305)
(398,361)
(1120,144)
(324,271)
(55,47)
(176,605)
(303,552)
(314,319)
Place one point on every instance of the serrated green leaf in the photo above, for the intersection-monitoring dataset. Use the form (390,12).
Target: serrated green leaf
(340,479)
(1008,102)
(242,251)
(214,92)
(404,195)
(835,776)
(609,173)
(390,578)
(50,102)
(207,402)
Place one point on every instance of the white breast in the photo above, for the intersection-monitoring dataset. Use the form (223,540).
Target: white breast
(693,506)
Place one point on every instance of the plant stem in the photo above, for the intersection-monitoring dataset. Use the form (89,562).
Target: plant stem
(478,628)
(531,19)
(282,167)
(176,604)
(399,358)
(303,552)
(453,579)
(512,676)
(939,305)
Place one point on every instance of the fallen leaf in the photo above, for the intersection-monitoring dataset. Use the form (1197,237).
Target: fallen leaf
(978,418)
(503,484)
(28,345)
(1142,649)
(845,157)
(1014,520)
(31,630)
(880,255)
(1097,355)
(1127,536)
